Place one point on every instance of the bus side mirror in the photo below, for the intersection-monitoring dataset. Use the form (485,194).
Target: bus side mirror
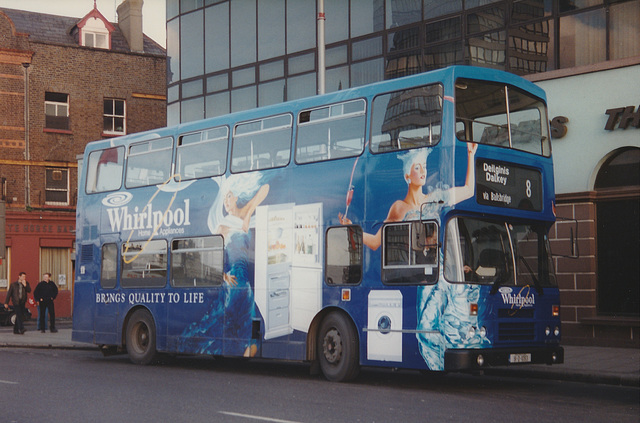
(425,235)
(573,250)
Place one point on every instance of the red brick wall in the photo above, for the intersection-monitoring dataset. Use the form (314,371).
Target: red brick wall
(577,278)
(88,76)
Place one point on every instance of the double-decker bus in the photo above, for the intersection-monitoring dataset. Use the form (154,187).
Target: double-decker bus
(400,224)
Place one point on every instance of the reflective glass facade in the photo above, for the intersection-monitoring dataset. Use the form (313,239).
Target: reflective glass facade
(231,55)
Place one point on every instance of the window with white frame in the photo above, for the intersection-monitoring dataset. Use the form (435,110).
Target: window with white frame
(56,110)
(114,116)
(95,39)
(95,34)
(57,186)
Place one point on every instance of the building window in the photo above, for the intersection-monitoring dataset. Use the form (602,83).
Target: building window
(57,261)
(56,110)
(57,186)
(95,39)
(4,269)
(384,39)
(114,116)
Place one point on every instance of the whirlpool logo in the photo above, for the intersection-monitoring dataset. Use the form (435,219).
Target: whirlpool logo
(145,220)
(523,299)
(117,199)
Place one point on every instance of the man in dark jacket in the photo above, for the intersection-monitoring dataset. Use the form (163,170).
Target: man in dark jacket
(17,293)
(44,294)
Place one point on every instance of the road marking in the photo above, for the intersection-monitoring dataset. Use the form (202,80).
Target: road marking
(249,416)
(8,382)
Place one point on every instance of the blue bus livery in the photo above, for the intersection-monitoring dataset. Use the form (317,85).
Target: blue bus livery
(399,224)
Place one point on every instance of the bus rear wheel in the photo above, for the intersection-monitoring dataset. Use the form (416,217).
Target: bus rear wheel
(338,348)
(141,338)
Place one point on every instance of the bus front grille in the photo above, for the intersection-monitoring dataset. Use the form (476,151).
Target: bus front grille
(517,331)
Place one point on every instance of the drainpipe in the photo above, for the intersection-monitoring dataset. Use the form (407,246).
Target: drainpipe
(321,49)
(27,155)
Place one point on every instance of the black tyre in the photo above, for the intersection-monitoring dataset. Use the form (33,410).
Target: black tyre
(338,352)
(141,338)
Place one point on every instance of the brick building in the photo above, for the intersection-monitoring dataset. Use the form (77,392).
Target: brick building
(65,81)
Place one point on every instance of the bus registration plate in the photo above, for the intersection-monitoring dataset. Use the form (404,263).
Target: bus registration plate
(520,358)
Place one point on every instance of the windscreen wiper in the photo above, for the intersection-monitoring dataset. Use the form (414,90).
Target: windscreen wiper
(497,283)
(536,282)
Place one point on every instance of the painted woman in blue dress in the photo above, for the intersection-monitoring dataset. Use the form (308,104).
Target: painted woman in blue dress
(231,216)
(441,310)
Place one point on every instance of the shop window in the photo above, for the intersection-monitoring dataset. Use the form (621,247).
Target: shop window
(57,187)
(4,270)
(57,261)
(56,110)
(618,231)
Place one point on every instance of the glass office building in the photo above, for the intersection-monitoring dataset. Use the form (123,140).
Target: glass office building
(233,55)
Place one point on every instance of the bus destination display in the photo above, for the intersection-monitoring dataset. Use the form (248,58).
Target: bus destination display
(503,184)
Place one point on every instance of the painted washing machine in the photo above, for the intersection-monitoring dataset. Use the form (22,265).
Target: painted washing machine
(384,334)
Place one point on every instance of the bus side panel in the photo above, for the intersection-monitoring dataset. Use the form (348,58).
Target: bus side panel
(83,311)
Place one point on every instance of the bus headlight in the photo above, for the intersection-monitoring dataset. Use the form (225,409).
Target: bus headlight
(471,332)
(483,332)
(547,331)
(556,331)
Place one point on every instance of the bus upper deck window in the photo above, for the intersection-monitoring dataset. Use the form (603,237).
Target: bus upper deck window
(331,132)
(502,115)
(104,170)
(149,162)
(202,154)
(407,119)
(261,144)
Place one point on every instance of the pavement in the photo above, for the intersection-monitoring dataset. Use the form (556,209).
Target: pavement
(598,365)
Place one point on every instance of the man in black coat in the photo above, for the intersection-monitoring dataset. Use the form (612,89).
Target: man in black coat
(17,293)
(44,294)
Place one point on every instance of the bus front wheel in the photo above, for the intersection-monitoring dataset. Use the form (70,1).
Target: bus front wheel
(141,337)
(338,348)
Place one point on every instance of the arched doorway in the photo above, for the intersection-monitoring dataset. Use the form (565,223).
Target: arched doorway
(618,234)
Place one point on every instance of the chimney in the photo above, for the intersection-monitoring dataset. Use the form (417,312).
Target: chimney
(130,22)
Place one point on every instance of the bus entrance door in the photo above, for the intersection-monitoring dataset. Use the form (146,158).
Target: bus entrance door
(107,297)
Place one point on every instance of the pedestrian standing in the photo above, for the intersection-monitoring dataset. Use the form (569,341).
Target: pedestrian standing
(46,291)
(17,293)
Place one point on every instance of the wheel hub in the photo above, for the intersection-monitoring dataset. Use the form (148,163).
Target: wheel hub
(332,346)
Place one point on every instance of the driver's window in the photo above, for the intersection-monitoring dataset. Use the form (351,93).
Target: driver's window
(477,251)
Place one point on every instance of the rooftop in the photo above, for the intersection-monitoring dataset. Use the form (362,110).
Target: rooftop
(53,29)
